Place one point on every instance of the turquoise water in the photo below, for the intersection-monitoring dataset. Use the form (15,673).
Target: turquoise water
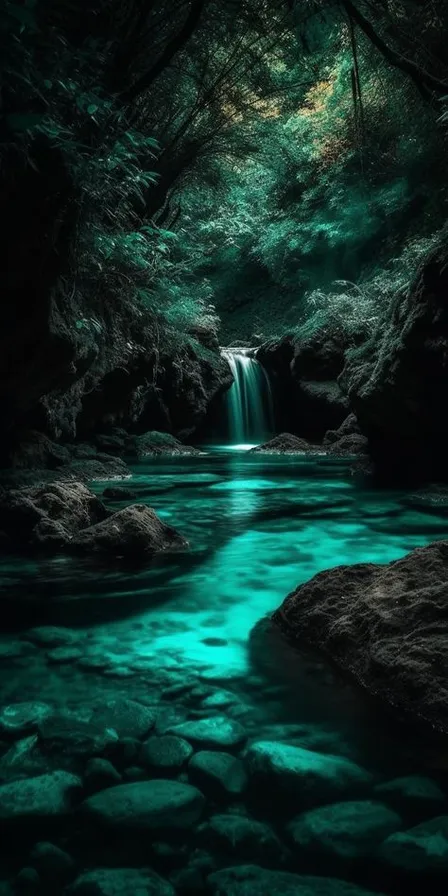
(257,527)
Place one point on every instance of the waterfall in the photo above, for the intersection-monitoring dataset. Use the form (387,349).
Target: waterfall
(249,404)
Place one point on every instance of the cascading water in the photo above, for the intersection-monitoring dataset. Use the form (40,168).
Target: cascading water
(250,414)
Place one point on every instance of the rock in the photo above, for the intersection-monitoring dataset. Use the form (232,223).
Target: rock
(250,880)
(153,444)
(244,837)
(411,791)
(344,830)
(19,719)
(423,848)
(349,427)
(214,733)
(129,718)
(397,382)
(102,468)
(386,624)
(120,882)
(167,753)
(285,443)
(52,636)
(53,864)
(28,881)
(135,533)
(37,451)
(40,798)
(60,655)
(99,774)
(148,805)
(23,759)
(433,499)
(348,446)
(118,493)
(48,516)
(292,772)
(218,775)
(65,736)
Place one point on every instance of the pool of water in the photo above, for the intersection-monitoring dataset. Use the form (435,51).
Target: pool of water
(190,635)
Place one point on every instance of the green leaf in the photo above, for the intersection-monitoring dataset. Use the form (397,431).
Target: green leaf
(79,324)
(48,84)
(92,108)
(23,121)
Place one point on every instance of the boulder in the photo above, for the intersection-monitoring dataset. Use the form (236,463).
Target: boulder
(251,880)
(68,738)
(285,443)
(118,493)
(423,848)
(242,837)
(128,718)
(288,773)
(99,774)
(349,427)
(19,719)
(349,446)
(219,775)
(347,830)
(52,863)
(52,636)
(54,513)
(218,732)
(166,754)
(397,382)
(120,882)
(155,444)
(386,624)
(40,799)
(145,806)
(134,533)
(411,792)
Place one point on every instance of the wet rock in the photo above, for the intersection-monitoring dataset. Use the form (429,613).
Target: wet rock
(153,444)
(23,759)
(52,636)
(49,515)
(12,650)
(411,791)
(214,733)
(432,499)
(386,624)
(348,446)
(349,427)
(165,754)
(102,468)
(344,830)
(41,798)
(219,775)
(120,882)
(19,719)
(250,880)
(292,772)
(135,532)
(53,864)
(285,443)
(118,493)
(71,737)
(397,382)
(128,718)
(244,837)
(423,848)
(99,774)
(148,805)
(28,881)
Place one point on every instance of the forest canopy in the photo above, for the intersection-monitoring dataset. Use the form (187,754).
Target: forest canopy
(250,163)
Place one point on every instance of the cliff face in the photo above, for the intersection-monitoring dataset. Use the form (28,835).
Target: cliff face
(70,365)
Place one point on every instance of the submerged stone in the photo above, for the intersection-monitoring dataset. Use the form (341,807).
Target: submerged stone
(52,863)
(415,790)
(52,636)
(165,753)
(61,735)
(61,655)
(250,880)
(43,797)
(348,830)
(149,805)
(99,774)
(128,718)
(296,771)
(218,774)
(216,732)
(241,836)
(423,848)
(19,719)
(120,882)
